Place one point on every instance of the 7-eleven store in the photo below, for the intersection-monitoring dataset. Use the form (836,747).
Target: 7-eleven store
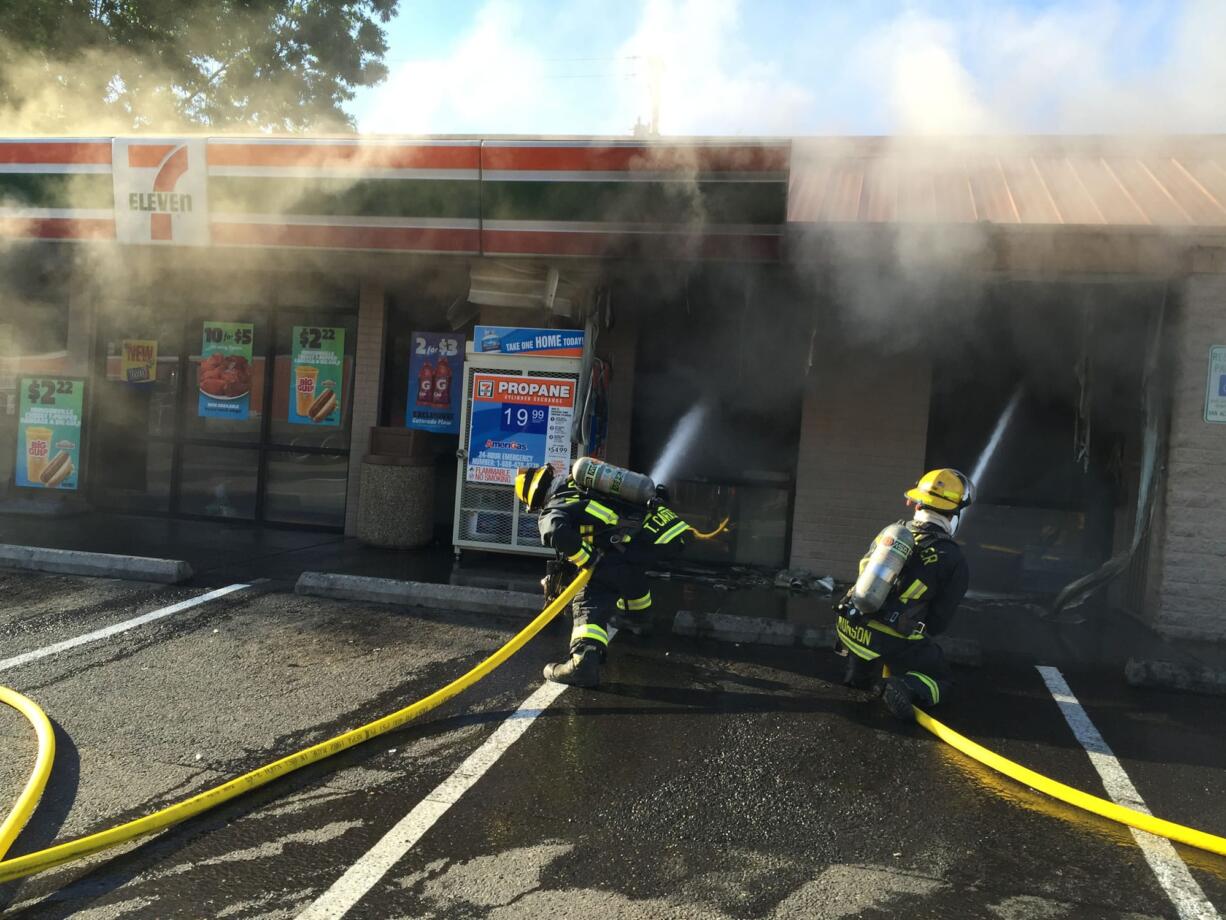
(115,241)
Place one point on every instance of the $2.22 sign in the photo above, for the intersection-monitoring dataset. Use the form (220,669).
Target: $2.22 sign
(315,336)
(44,392)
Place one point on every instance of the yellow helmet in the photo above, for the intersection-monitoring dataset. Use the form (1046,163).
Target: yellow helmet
(532,485)
(943,490)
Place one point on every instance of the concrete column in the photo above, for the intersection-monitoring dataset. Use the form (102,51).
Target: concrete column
(367,389)
(1189,537)
(864,432)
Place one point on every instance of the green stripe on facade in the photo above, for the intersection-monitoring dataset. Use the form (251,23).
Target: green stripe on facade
(57,190)
(636,202)
(429,198)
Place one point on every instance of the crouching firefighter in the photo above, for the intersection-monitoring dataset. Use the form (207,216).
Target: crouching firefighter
(614,522)
(911,582)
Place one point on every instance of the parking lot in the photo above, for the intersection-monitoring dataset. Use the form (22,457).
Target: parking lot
(698,781)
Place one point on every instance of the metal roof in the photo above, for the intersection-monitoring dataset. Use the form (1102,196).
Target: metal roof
(1036,181)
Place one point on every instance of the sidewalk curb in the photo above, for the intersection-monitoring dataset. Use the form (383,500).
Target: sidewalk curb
(104,565)
(724,627)
(418,594)
(1171,675)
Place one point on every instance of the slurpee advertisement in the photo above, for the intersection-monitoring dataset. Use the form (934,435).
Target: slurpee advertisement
(49,433)
(518,421)
(436,368)
(225,370)
(540,343)
(315,375)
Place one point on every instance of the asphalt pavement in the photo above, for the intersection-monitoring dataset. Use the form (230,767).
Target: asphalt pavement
(700,780)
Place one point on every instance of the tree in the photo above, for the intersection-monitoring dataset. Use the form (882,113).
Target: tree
(281,65)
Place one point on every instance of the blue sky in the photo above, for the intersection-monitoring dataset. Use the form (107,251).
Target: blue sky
(742,67)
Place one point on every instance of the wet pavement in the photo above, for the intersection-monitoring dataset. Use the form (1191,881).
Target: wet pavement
(700,780)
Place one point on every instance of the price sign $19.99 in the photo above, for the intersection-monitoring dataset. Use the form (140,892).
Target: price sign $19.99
(44,392)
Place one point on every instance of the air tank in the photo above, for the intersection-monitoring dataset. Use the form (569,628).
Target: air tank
(607,479)
(891,550)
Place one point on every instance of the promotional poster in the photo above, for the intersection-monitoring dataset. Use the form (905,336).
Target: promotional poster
(518,421)
(49,433)
(541,343)
(139,359)
(436,368)
(315,375)
(225,370)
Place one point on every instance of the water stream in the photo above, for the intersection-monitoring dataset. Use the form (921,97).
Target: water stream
(679,443)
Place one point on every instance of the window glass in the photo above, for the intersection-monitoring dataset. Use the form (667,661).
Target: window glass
(306,489)
(218,481)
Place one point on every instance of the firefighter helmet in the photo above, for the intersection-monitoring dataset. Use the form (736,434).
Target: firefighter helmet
(942,490)
(532,485)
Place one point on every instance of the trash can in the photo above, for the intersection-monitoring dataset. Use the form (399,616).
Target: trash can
(396,504)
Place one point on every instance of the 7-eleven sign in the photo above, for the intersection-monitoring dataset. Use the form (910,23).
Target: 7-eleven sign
(161,191)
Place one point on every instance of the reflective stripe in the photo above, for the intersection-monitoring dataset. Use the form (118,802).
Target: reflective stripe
(589,631)
(581,556)
(640,603)
(859,650)
(672,533)
(917,590)
(929,683)
(891,631)
(601,512)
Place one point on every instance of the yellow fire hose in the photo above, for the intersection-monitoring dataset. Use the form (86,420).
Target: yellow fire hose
(74,849)
(711,535)
(33,791)
(1067,794)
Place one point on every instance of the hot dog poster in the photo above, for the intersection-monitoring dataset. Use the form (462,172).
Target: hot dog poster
(225,370)
(49,433)
(318,359)
(434,402)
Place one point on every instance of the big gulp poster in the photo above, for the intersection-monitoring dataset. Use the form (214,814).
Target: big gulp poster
(49,433)
(435,368)
(225,370)
(315,375)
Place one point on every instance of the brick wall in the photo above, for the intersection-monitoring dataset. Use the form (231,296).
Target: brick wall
(864,430)
(367,389)
(1191,533)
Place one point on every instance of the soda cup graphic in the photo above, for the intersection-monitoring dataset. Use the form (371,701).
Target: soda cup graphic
(38,452)
(305,378)
(425,385)
(490,341)
(442,384)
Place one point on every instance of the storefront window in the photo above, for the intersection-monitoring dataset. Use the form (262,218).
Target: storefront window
(219,481)
(306,489)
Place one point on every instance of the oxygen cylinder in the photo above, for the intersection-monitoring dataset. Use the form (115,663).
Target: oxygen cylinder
(891,550)
(607,479)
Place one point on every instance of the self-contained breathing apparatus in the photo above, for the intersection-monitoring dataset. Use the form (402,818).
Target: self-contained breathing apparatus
(641,498)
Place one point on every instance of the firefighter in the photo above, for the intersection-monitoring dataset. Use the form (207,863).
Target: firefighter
(920,603)
(617,540)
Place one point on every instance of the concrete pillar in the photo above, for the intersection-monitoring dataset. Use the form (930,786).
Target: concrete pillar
(619,346)
(864,432)
(367,389)
(1190,535)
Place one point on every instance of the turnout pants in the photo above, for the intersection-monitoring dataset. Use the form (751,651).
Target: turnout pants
(617,586)
(916,659)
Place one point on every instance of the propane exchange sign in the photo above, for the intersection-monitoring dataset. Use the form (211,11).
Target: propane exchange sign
(518,421)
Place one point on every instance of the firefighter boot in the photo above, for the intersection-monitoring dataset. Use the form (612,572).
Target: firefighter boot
(898,698)
(581,669)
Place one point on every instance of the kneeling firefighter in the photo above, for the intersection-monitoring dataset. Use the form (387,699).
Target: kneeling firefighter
(615,522)
(911,582)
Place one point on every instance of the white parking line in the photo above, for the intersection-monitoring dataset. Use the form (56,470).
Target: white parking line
(379,859)
(116,628)
(1172,873)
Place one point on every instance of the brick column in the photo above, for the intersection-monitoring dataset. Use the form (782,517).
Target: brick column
(367,389)
(864,431)
(1190,535)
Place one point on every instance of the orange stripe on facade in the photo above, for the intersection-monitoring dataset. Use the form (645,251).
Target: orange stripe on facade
(356,156)
(648,158)
(391,238)
(58,228)
(56,152)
